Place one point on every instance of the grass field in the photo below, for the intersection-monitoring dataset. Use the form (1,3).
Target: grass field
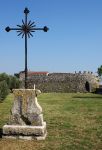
(74,122)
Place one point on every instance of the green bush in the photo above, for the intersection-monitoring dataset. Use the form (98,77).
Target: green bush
(4,90)
(7,83)
(14,83)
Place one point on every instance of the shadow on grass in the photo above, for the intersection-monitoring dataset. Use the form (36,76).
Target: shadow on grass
(1,132)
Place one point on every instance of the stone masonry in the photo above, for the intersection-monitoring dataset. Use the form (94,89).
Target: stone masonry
(65,82)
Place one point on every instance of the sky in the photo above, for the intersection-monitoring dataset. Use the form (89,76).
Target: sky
(73,42)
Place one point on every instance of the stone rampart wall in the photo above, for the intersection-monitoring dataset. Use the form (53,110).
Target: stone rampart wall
(64,82)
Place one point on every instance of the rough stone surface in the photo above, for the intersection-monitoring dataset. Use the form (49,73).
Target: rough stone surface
(65,82)
(42,137)
(24,130)
(26,110)
(26,120)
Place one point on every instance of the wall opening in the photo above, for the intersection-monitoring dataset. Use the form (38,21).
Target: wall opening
(87,86)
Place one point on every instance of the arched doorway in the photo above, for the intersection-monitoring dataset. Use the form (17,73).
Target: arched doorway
(87,86)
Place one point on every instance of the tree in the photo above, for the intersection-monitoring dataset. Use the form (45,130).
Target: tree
(99,71)
(14,83)
(4,90)
(7,83)
(5,77)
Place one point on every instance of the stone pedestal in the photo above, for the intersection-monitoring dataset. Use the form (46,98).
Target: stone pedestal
(26,120)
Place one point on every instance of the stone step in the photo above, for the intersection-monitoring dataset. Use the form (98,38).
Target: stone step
(25,132)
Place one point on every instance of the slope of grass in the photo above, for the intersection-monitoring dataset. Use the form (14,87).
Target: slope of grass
(74,122)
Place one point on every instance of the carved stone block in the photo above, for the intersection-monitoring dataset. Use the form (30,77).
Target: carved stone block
(26,116)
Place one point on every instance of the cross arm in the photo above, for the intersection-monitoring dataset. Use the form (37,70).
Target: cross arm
(45,29)
(9,29)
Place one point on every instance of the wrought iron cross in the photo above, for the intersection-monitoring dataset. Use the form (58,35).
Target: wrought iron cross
(25,30)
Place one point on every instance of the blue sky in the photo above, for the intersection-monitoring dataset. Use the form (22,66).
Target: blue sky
(73,43)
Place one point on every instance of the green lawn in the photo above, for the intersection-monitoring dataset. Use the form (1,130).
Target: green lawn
(74,122)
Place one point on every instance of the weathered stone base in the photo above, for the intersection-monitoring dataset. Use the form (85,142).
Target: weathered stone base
(25,132)
(25,137)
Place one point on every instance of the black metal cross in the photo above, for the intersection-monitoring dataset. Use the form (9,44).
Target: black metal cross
(25,30)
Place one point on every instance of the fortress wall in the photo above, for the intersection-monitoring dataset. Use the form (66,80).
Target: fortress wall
(64,82)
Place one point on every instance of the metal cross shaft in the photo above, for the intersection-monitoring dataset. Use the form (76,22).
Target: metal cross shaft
(25,30)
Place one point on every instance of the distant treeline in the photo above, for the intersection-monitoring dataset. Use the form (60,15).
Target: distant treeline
(7,83)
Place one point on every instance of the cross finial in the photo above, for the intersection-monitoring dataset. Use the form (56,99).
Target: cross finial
(26,11)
